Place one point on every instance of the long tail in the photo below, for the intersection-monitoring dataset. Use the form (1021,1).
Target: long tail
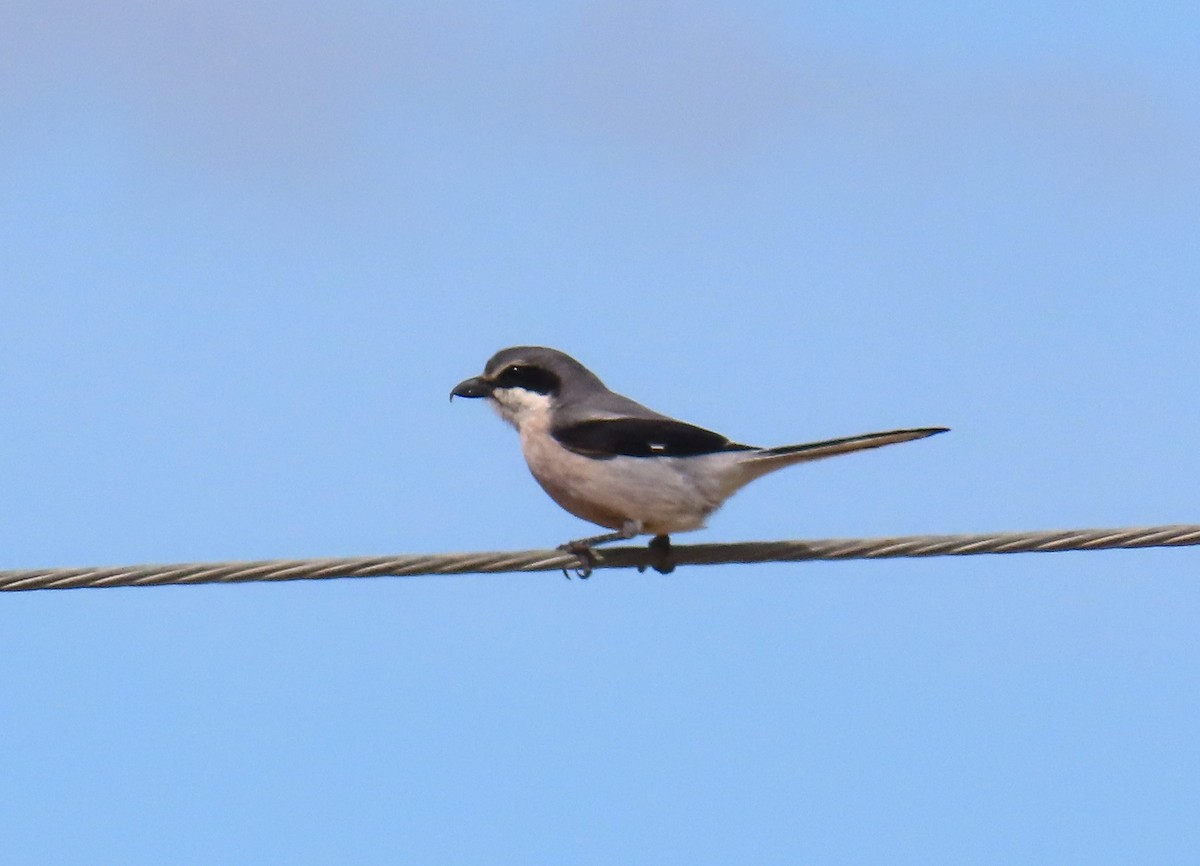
(770,459)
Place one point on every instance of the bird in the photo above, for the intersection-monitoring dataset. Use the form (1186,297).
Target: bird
(616,463)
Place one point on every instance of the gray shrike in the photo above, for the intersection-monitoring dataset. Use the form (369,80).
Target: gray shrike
(614,462)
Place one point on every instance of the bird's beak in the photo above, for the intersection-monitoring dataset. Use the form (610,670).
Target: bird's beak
(474,387)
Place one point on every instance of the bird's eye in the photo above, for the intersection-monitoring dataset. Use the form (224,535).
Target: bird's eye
(528,377)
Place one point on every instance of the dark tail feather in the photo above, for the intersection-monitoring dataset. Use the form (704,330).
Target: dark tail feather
(786,455)
(759,463)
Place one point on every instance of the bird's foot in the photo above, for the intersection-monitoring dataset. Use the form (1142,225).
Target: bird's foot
(661,559)
(582,547)
(587,557)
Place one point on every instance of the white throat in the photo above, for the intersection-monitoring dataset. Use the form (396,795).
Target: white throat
(520,406)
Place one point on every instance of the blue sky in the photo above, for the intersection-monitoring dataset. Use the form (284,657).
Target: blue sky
(247,249)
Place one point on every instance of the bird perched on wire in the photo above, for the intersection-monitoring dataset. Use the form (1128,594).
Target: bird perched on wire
(618,464)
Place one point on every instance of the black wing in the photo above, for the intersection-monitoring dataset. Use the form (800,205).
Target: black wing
(642,437)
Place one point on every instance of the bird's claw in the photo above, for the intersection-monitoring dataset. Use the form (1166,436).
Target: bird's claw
(661,559)
(586,556)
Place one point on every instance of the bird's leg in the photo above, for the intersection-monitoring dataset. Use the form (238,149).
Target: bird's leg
(628,530)
(582,547)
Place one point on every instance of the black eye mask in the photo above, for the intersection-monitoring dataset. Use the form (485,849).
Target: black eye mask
(536,379)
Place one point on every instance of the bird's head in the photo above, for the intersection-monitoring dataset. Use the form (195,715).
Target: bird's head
(525,382)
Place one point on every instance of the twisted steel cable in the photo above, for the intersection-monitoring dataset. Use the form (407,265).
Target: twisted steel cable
(616,557)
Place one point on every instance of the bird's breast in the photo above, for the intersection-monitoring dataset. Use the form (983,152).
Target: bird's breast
(663,494)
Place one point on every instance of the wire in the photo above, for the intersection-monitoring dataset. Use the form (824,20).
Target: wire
(616,557)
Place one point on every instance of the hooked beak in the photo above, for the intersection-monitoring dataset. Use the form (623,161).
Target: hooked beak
(473,387)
